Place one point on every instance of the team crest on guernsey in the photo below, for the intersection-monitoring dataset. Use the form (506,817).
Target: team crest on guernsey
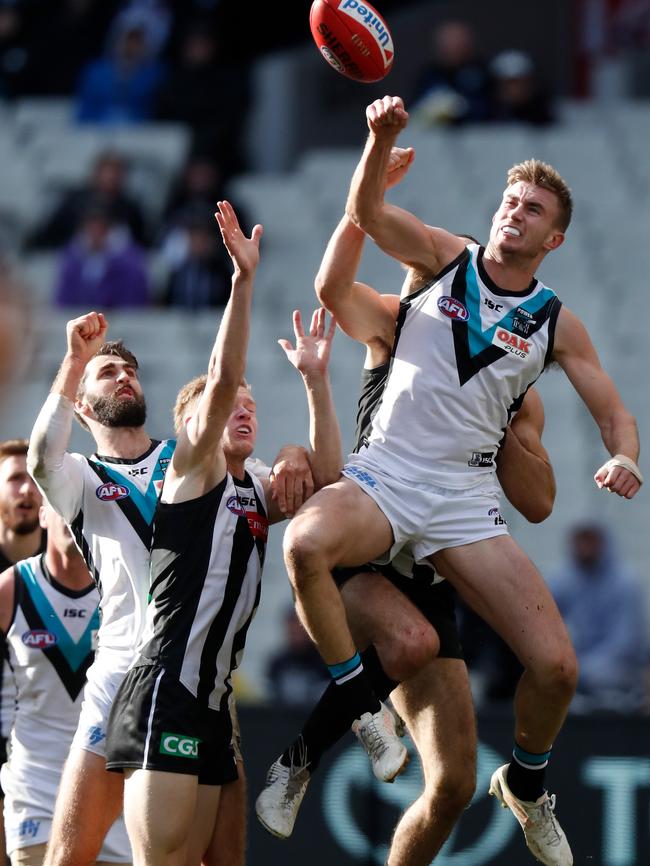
(111,491)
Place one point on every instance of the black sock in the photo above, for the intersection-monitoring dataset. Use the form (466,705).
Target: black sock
(330,720)
(526,774)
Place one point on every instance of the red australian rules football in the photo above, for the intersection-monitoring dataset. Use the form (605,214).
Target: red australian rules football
(353,38)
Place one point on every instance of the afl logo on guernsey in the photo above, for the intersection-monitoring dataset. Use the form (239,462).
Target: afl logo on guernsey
(111,491)
(39,638)
(234,505)
(452,308)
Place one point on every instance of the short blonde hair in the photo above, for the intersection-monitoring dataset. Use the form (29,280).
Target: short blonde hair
(189,393)
(13,448)
(545,176)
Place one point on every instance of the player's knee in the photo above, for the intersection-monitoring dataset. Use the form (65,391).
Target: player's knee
(560,671)
(409,650)
(303,553)
(451,792)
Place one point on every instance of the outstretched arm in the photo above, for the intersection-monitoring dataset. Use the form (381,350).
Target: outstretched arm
(56,473)
(575,353)
(359,309)
(201,439)
(311,359)
(523,466)
(398,232)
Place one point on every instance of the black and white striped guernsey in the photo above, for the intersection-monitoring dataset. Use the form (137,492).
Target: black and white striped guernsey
(206,566)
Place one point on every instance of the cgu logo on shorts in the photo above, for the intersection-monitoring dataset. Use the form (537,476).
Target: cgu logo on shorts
(511,343)
(179,745)
(111,491)
(452,308)
(39,638)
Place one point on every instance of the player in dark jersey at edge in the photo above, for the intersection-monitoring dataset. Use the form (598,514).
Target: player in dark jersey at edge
(169,729)
(459,365)
(404,620)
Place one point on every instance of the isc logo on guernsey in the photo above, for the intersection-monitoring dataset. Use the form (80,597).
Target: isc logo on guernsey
(111,491)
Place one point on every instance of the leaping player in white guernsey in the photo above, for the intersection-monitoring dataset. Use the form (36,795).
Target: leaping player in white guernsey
(109,500)
(467,346)
(49,614)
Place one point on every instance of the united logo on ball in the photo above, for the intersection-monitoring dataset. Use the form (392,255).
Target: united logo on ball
(353,38)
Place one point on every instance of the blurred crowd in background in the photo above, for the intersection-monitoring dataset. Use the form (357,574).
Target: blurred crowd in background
(133,62)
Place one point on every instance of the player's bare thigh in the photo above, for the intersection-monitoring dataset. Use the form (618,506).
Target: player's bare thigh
(227,845)
(160,835)
(341,523)
(500,583)
(88,802)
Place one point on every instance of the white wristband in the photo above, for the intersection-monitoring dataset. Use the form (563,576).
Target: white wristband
(625,463)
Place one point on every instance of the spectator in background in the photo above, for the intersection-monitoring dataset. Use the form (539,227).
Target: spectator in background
(202,276)
(296,673)
(603,606)
(101,268)
(69,34)
(517,95)
(15,52)
(455,87)
(107,187)
(207,94)
(122,86)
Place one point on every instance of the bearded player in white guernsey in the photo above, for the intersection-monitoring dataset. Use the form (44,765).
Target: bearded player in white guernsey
(49,613)
(468,345)
(109,501)
(169,726)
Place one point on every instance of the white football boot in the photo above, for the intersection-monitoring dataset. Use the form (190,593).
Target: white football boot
(277,805)
(544,836)
(378,735)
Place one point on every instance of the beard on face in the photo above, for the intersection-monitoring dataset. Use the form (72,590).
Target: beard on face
(16,522)
(114,412)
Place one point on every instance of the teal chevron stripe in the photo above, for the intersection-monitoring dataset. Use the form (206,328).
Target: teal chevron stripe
(74,653)
(479,339)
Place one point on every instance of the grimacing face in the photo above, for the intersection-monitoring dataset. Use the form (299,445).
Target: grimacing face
(240,433)
(19,496)
(112,393)
(526,223)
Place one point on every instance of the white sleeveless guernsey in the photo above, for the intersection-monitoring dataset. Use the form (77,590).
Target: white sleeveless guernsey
(465,353)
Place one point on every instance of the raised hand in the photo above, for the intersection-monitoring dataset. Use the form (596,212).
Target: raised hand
(312,351)
(387,116)
(399,162)
(244,252)
(85,335)
(615,478)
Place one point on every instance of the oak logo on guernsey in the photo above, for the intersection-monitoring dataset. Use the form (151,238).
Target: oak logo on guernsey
(179,745)
(39,638)
(512,343)
(452,308)
(111,491)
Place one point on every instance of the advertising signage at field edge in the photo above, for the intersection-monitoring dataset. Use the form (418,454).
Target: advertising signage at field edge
(599,770)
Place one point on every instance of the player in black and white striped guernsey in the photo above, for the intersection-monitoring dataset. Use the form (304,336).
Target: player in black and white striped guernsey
(169,729)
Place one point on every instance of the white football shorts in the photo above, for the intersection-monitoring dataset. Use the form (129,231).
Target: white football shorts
(428,517)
